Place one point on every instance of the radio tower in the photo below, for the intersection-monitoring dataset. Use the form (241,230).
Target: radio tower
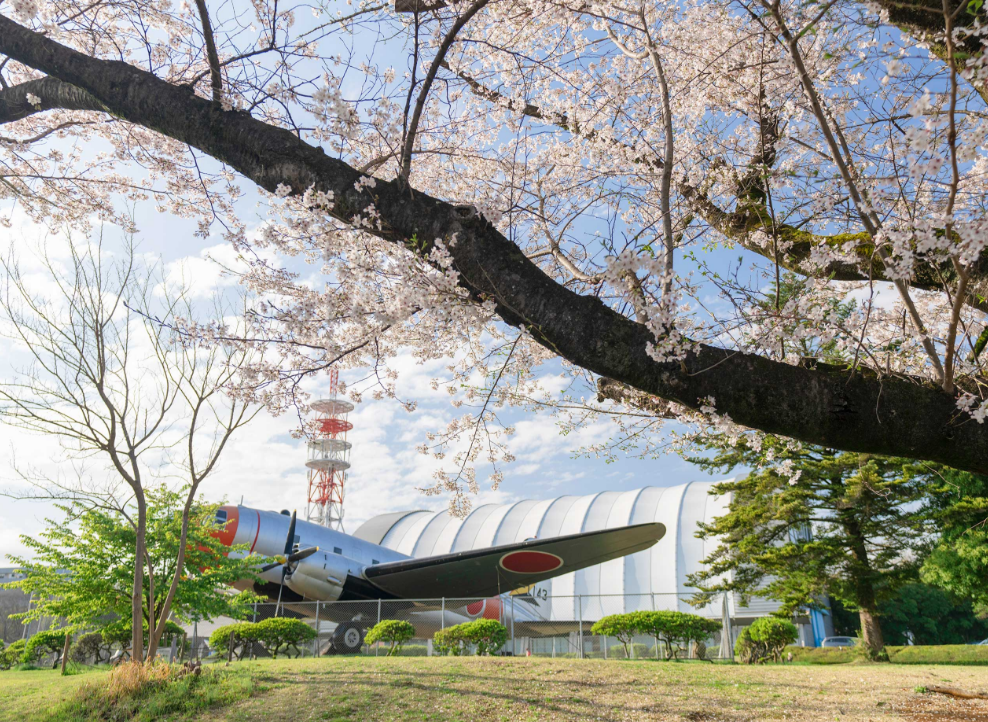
(329,458)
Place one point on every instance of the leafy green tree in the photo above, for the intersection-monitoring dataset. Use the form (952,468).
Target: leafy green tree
(448,642)
(40,645)
(922,614)
(675,629)
(12,654)
(958,562)
(489,635)
(241,634)
(394,631)
(279,633)
(773,634)
(809,522)
(621,626)
(90,646)
(82,570)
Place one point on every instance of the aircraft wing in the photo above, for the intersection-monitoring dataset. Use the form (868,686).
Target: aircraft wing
(496,570)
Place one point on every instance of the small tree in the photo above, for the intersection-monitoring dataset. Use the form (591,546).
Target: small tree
(242,635)
(488,635)
(773,634)
(12,654)
(449,641)
(82,567)
(50,641)
(280,633)
(112,383)
(621,626)
(90,646)
(675,629)
(394,631)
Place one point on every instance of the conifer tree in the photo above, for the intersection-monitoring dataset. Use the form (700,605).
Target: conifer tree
(808,523)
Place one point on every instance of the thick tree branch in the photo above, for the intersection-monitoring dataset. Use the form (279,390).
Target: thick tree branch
(215,77)
(822,405)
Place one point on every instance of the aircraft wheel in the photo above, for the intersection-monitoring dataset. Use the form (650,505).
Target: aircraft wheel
(348,637)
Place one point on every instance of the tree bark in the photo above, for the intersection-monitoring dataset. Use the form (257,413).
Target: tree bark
(829,406)
(137,599)
(871,630)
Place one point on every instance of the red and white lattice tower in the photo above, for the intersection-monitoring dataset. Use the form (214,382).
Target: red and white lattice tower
(329,458)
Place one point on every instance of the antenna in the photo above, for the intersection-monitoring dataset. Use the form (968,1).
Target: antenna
(329,458)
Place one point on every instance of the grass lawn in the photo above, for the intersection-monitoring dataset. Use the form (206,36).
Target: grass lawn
(508,689)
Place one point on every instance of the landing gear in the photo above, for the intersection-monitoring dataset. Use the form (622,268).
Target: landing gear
(348,637)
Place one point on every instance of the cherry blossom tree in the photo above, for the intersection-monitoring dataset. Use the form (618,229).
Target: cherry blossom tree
(625,188)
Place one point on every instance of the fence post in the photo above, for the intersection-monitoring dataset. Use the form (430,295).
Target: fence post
(442,615)
(377,647)
(315,641)
(580,602)
(726,630)
(514,649)
(253,649)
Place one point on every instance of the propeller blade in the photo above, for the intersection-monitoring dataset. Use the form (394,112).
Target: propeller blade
(301,554)
(290,539)
(269,567)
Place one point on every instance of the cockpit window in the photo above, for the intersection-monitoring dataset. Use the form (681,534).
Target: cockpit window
(221,516)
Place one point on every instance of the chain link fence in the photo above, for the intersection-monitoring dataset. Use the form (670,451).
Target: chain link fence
(552,626)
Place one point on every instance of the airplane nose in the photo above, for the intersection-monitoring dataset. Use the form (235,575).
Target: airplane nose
(227,520)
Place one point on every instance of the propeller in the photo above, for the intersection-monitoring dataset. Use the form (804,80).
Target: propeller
(286,560)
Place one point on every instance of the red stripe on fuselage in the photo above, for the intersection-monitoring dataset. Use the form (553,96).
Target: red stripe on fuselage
(256,533)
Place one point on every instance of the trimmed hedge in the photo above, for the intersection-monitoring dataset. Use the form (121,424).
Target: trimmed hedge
(50,641)
(765,639)
(395,631)
(12,654)
(962,654)
(486,635)
(675,629)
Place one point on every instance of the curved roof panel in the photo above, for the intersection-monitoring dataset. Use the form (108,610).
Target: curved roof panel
(651,579)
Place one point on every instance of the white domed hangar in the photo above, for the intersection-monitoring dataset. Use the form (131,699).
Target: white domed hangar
(650,579)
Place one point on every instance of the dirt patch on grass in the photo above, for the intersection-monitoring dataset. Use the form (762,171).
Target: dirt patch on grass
(935,708)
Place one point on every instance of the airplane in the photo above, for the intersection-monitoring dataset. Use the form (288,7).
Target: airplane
(314,563)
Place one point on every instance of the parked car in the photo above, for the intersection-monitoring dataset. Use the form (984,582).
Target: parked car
(839,642)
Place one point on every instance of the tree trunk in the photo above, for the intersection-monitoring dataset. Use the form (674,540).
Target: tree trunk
(871,631)
(137,599)
(65,651)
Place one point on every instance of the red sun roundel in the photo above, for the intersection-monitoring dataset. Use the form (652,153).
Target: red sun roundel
(530,562)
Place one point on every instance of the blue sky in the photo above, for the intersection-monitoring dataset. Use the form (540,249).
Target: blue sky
(264,465)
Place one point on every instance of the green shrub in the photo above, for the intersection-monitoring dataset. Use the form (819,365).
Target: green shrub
(280,633)
(90,646)
(939,654)
(765,639)
(773,634)
(394,631)
(488,635)
(450,642)
(676,629)
(12,654)
(244,635)
(621,626)
(50,641)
